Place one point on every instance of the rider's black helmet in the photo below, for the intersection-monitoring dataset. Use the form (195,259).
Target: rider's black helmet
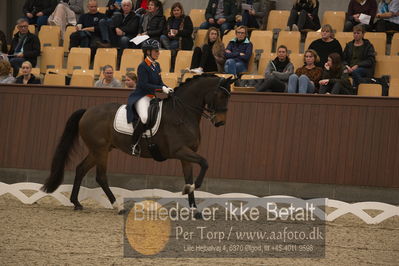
(149,45)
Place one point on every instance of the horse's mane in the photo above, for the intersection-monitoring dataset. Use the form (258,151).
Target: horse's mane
(196,77)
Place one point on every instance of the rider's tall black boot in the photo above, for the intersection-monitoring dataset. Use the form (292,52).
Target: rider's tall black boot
(137,133)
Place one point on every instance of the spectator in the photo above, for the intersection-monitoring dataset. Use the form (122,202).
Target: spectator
(256,17)
(238,52)
(326,45)
(359,56)
(388,15)
(3,43)
(304,16)
(209,58)
(277,72)
(357,7)
(112,8)
(153,22)
(335,80)
(25,46)
(108,80)
(122,27)
(5,73)
(27,77)
(87,27)
(141,6)
(38,11)
(220,14)
(131,80)
(306,78)
(178,31)
(66,13)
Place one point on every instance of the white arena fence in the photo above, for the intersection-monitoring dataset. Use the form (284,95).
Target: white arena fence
(341,208)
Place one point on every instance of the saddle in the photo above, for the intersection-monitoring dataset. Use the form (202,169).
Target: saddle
(153,111)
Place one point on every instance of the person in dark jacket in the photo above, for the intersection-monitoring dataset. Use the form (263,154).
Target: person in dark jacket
(153,22)
(112,8)
(256,16)
(326,45)
(88,26)
(27,77)
(149,81)
(304,16)
(3,43)
(178,30)
(220,14)
(238,52)
(335,79)
(25,46)
(357,7)
(38,11)
(123,27)
(359,56)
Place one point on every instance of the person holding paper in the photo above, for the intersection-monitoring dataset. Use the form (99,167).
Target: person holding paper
(359,56)
(148,83)
(388,15)
(304,15)
(178,30)
(358,7)
(220,14)
(153,22)
(252,13)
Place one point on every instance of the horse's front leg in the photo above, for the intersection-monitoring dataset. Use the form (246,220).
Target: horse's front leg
(189,188)
(189,156)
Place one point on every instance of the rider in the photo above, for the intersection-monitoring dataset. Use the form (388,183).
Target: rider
(149,81)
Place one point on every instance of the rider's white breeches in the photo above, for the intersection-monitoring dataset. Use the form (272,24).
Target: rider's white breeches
(142,108)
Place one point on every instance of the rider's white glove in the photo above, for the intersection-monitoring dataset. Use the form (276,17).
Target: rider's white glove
(167,90)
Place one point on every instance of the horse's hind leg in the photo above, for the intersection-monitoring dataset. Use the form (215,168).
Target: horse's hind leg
(101,178)
(81,171)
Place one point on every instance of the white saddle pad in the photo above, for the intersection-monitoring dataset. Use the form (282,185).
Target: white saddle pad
(121,125)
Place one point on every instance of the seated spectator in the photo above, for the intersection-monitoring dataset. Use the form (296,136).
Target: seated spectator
(87,27)
(5,73)
(27,77)
(359,56)
(357,7)
(210,57)
(38,11)
(277,72)
(220,14)
(3,43)
(66,13)
(326,44)
(388,15)
(178,31)
(306,78)
(108,80)
(153,22)
(25,46)
(335,79)
(121,29)
(256,16)
(238,52)
(112,8)
(304,16)
(131,80)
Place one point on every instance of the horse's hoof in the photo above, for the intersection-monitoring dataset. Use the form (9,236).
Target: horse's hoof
(198,216)
(121,212)
(78,208)
(188,189)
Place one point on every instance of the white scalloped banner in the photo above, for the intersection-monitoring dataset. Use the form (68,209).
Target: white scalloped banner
(386,211)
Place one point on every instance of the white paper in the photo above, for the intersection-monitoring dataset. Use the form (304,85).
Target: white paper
(139,39)
(364,19)
(246,6)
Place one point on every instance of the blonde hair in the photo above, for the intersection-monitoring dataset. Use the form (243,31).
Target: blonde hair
(314,2)
(27,63)
(132,76)
(314,53)
(5,68)
(218,43)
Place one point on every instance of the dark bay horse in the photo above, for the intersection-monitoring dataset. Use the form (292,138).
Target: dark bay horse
(178,136)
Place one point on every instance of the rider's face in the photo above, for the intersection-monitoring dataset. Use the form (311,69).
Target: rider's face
(154,54)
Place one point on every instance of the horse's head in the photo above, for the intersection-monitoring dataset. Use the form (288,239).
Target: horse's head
(216,101)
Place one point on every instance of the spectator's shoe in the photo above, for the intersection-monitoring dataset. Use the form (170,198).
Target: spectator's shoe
(197,70)
(103,44)
(295,27)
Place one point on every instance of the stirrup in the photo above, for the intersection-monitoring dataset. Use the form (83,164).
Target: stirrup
(134,147)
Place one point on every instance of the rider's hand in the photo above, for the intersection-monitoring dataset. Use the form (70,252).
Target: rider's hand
(167,90)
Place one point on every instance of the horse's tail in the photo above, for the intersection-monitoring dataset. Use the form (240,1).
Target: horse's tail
(61,155)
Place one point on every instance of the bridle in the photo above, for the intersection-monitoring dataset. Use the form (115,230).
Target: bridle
(209,112)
